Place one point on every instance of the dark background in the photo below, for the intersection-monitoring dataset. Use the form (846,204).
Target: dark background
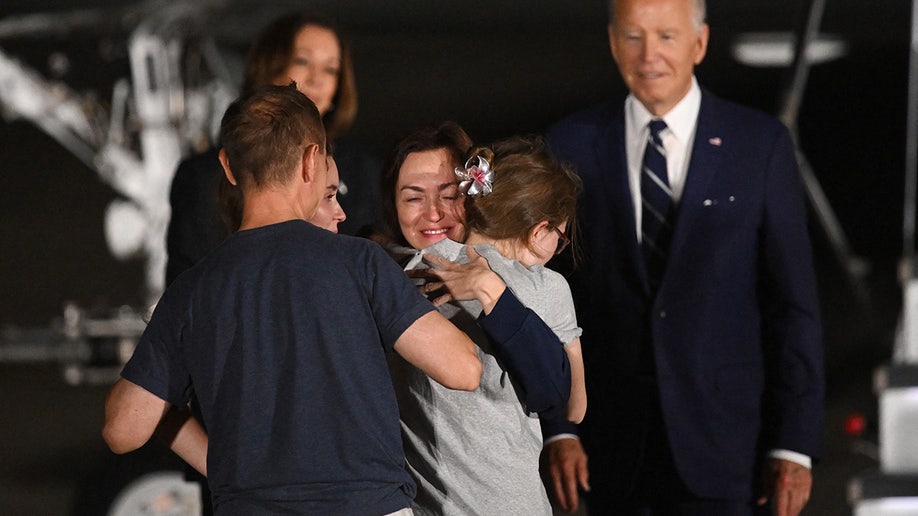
(498,68)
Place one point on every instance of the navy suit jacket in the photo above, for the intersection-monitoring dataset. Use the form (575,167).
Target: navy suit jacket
(734,327)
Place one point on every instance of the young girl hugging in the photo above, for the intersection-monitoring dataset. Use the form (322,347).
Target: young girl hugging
(478,452)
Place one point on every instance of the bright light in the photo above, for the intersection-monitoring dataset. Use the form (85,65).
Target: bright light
(774,49)
(125,229)
(893,506)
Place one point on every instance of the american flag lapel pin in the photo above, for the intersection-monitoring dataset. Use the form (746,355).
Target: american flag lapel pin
(715,141)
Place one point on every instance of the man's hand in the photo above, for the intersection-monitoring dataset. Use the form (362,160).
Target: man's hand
(564,469)
(788,484)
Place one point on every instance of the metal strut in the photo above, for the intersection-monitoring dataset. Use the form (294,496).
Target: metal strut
(911,153)
(855,268)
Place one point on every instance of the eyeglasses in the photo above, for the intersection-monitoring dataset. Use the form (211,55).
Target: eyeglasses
(563,241)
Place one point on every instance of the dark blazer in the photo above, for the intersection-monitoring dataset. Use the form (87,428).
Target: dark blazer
(197,228)
(195,225)
(734,327)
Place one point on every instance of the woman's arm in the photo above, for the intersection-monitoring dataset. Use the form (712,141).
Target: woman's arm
(185,437)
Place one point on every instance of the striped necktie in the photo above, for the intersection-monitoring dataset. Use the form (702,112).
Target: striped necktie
(656,204)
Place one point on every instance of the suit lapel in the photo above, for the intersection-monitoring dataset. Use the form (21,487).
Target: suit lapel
(706,159)
(610,148)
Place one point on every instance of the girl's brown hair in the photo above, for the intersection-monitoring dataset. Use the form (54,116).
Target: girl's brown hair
(529,186)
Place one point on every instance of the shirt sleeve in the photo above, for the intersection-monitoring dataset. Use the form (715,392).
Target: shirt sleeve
(531,352)
(158,364)
(792,456)
(564,316)
(396,302)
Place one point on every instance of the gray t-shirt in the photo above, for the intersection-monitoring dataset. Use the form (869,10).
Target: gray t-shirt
(478,452)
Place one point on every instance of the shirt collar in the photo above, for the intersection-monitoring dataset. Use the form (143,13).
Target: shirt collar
(681,119)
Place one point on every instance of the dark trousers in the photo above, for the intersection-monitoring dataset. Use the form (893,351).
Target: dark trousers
(654,487)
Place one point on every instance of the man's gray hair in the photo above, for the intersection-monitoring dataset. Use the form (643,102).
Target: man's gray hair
(700,8)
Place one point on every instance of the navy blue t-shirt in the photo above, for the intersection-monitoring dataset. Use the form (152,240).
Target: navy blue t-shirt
(281,332)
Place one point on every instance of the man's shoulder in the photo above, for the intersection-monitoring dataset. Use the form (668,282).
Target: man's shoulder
(350,244)
(288,246)
(736,114)
(574,135)
(590,118)
(335,247)
(361,255)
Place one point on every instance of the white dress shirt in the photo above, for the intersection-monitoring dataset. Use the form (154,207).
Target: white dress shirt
(678,137)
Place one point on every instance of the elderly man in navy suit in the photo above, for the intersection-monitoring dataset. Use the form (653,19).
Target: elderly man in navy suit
(697,294)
